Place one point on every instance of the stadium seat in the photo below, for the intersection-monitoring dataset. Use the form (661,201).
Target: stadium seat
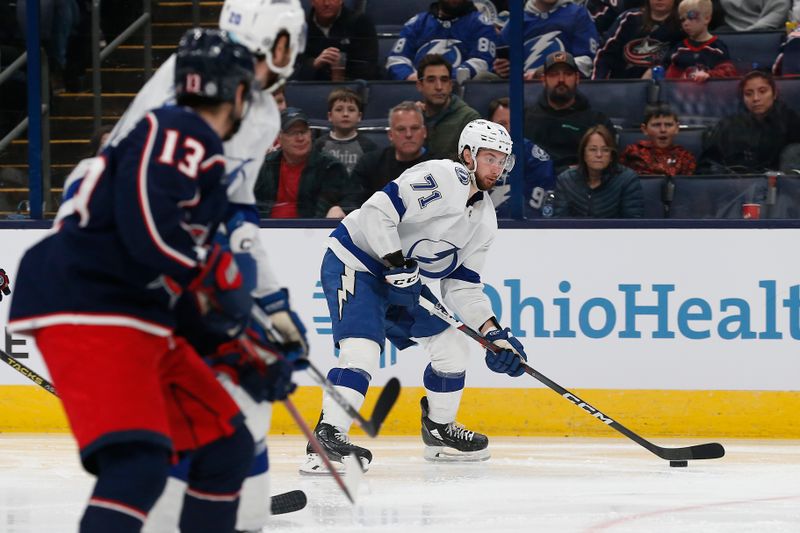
(653,191)
(312,96)
(690,137)
(385,44)
(478,94)
(697,197)
(622,101)
(384,95)
(789,91)
(751,50)
(390,16)
(701,104)
(787,199)
(376,135)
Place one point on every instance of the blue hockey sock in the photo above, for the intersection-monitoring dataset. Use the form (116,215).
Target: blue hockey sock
(130,478)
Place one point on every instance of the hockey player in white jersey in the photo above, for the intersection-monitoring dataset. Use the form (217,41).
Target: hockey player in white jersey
(274,31)
(434,223)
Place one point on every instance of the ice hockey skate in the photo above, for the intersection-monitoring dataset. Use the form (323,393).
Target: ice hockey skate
(451,442)
(337,445)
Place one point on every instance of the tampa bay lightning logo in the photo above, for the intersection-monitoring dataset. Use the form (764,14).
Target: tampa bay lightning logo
(447,48)
(463,175)
(540,47)
(437,259)
(238,172)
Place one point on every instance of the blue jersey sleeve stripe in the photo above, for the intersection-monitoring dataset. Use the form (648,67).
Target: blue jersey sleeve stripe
(464,274)
(393,192)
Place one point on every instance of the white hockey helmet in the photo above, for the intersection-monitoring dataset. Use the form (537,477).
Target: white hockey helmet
(482,133)
(257,23)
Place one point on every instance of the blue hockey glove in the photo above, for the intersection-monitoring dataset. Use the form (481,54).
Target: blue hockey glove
(287,323)
(508,360)
(218,291)
(404,284)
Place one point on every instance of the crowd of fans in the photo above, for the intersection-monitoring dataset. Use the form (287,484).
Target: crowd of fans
(573,165)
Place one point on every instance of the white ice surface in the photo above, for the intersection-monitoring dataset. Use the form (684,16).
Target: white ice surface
(540,485)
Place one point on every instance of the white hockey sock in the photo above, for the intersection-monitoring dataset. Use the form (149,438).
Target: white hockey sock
(334,414)
(443,405)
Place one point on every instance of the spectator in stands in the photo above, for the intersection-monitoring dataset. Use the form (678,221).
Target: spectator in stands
(550,26)
(752,140)
(451,28)
(341,44)
(659,154)
(58,21)
(295,181)
(605,12)
(407,138)
(446,114)
(279,94)
(638,40)
(562,114)
(343,141)
(788,61)
(540,178)
(755,15)
(701,55)
(599,187)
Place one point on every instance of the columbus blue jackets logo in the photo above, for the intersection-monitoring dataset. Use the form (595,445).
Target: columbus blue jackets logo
(447,48)
(645,52)
(437,259)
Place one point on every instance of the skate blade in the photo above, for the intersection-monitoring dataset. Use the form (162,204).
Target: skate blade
(443,454)
(315,467)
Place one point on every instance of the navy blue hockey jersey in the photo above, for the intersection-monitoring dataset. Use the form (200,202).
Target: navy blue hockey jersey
(540,178)
(468,41)
(127,235)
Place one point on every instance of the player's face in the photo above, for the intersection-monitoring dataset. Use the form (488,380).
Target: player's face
(344,116)
(661,131)
(561,83)
(296,141)
(407,134)
(597,154)
(758,96)
(435,85)
(491,165)
(502,116)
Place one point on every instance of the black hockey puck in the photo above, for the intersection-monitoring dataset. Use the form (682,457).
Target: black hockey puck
(679,463)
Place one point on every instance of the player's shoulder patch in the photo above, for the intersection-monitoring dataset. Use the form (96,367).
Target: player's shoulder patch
(539,153)
(462,174)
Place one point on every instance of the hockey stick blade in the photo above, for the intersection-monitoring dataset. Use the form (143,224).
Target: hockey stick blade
(701,451)
(386,400)
(28,373)
(288,502)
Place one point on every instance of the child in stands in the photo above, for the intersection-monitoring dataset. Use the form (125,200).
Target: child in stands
(343,142)
(701,55)
(658,154)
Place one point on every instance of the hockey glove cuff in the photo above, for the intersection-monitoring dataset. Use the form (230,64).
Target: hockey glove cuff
(287,323)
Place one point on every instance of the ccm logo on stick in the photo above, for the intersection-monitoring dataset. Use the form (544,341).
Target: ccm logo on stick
(588,408)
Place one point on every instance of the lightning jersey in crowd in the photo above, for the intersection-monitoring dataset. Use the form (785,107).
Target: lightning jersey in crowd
(539,179)
(126,237)
(427,213)
(688,57)
(630,48)
(244,152)
(565,27)
(466,41)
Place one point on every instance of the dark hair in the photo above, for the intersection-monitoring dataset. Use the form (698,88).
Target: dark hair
(660,109)
(648,23)
(767,76)
(496,104)
(607,136)
(432,60)
(345,94)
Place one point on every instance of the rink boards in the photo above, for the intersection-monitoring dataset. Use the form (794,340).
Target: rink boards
(672,332)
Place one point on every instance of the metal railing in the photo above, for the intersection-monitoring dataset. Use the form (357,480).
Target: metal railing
(98,56)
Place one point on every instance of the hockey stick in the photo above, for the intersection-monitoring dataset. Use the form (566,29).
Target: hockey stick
(383,405)
(317,447)
(701,451)
(28,373)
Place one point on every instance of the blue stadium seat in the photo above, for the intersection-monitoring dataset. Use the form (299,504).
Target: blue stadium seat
(376,135)
(389,16)
(478,94)
(384,95)
(653,191)
(690,137)
(385,44)
(312,96)
(715,196)
(789,92)
(622,101)
(701,104)
(753,49)
(787,199)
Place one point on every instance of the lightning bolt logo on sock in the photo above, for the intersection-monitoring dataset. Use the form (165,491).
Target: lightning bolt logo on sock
(348,287)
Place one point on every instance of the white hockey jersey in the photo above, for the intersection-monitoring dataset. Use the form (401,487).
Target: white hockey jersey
(244,155)
(428,214)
